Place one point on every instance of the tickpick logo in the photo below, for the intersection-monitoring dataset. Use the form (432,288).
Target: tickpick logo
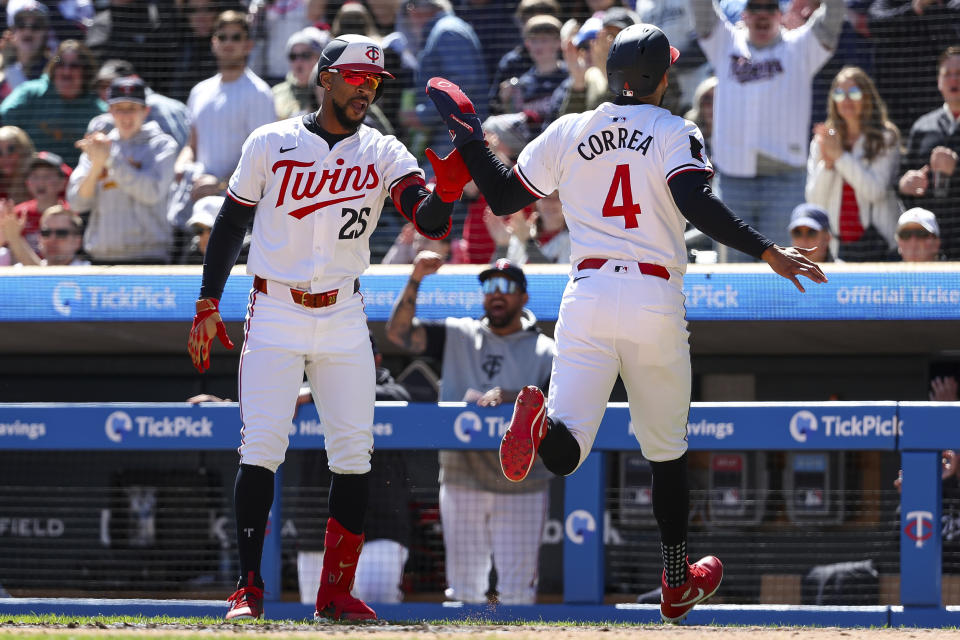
(466,424)
(117,423)
(579,523)
(64,295)
(801,424)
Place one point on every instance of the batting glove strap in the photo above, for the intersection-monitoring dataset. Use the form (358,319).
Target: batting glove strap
(456,110)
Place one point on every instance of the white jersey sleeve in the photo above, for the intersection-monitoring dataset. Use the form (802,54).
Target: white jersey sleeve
(395,162)
(247,183)
(684,151)
(538,166)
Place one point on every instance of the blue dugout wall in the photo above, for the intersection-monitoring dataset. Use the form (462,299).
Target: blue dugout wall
(918,430)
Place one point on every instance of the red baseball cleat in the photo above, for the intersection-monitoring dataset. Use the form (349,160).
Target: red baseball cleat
(246,602)
(703,580)
(342,606)
(518,449)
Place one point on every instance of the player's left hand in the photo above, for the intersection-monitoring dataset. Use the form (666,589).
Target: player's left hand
(456,110)
(791,262)
(452,174)
(207,324)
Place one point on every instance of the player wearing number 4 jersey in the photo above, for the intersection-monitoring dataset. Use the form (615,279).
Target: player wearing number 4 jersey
(629,175)
(317,184)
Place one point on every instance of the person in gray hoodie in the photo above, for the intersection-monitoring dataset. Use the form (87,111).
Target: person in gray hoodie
(123,179)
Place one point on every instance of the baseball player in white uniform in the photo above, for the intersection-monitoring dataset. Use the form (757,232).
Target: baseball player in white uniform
(317,184)
(629,173)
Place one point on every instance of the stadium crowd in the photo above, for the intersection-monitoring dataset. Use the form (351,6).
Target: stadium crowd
(131,114)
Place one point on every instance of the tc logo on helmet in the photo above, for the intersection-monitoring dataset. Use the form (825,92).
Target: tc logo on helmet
(373,53)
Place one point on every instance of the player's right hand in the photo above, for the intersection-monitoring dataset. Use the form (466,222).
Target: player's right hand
(207,324)
(791,262)
(456,110)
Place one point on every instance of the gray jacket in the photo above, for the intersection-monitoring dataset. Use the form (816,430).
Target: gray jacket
(128,211)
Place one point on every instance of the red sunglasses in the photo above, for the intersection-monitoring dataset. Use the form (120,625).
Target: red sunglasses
(359,78)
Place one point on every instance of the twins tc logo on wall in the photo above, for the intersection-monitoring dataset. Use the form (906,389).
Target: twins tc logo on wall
(919,527)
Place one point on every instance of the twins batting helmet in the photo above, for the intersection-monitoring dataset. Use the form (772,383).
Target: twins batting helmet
(352,52)
(638,58)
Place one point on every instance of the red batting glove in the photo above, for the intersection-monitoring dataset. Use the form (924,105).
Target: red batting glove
(207,323)
(452,174)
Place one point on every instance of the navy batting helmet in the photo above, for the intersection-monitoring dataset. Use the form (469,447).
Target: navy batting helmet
(638,58)
(352,52)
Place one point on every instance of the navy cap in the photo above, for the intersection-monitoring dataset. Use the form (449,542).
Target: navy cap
(506,269)
(809,215)
(127,89)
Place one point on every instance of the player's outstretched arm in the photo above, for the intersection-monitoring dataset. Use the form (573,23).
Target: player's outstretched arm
(791,262)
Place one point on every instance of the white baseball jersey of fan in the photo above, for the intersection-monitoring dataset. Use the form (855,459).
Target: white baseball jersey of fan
(318,206)
(612,167)
(762,102)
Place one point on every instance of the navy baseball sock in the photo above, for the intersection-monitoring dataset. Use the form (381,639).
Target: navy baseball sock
(349,493)
(252,498)
(671,508)
(559,450)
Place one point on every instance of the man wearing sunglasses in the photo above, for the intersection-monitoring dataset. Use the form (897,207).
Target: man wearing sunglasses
(762,105)
(486,361)
(313,187)
(918,236)
(810,229)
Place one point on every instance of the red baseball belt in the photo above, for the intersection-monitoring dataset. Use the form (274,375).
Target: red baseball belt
(646,268)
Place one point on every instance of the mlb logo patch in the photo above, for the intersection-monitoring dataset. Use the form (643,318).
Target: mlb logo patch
(620,269)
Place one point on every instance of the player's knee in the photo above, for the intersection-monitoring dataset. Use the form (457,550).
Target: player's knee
(559,450)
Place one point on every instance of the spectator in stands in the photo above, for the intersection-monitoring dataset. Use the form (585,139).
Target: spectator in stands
(199,224)
(273,23)
(540,237)
(506,135)
(701,112)
(930,162)
(762,108)
(588,88)
(486,361)
(194,60)
(532,90)
(810,229)
(674,19)
(908,37)
(918,236)
(295,95)
(409,244)
(171,115)
(27,54)
(68,18)
(139,31)
(124,179)
(224,109)
(61,236)
(451,50)
(354,17)
(55,109)
(16,151)
(854,159)
(517,60)
(47,176)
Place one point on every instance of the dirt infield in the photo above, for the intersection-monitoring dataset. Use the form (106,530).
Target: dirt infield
(457,632)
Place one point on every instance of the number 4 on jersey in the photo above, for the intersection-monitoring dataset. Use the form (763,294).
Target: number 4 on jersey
(627,207)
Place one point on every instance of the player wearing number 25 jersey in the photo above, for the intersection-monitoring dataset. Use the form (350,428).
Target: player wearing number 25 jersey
(629,175)
(313,187)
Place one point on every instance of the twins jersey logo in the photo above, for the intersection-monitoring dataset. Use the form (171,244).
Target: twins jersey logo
(373,53)
(306,186)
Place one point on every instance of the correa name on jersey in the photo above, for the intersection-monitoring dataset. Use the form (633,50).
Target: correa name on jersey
(612,140)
